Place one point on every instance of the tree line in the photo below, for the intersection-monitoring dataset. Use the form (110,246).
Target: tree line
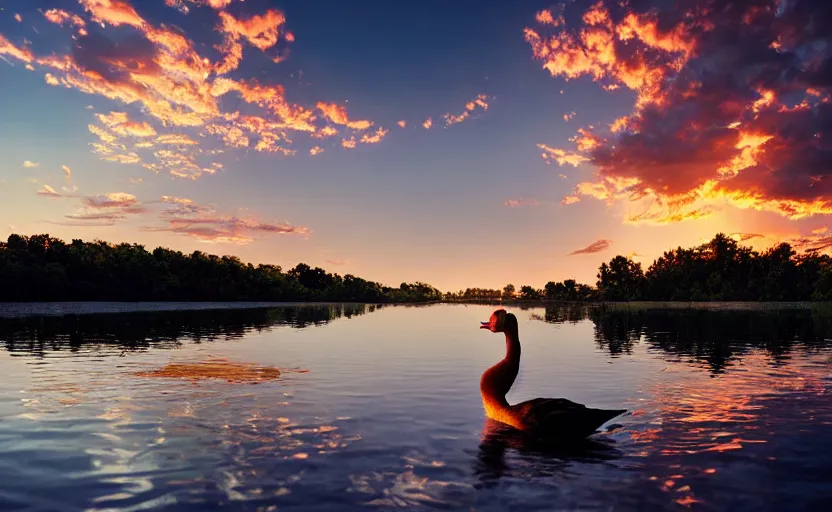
(44,268)
(719,270)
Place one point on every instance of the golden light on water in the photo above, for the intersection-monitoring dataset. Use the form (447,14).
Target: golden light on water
(216,369)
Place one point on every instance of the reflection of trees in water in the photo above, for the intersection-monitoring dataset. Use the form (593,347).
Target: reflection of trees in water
(714,336)
(164,329)
(563,313)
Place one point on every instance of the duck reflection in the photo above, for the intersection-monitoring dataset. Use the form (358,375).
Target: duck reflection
(542,456)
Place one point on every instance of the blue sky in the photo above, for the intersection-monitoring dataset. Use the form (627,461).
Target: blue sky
(466,204)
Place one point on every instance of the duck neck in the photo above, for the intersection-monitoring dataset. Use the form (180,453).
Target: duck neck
(497,380)
(512,348)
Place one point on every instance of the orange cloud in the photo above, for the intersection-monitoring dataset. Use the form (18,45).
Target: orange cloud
(267,143)
(182,7)
(569,116)
(711,125)
(375,137)
(111,200)
(619,124)
(427,124)
(186,217)
(67,172)
(742,237)
(261,31)
(326,131)
(113,12)
(338,115)
(402,123)
(60,17)
(479,102)
(18,18)
(598,49)
(101,210)
(231,135)
(561,157)
(119,123)
(48,192)
(317,150)
(815,242)
(597,246)
(157,71)
(7,48)
(176,139)
(348,143)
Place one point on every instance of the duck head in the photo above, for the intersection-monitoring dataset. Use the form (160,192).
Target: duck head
(498,320)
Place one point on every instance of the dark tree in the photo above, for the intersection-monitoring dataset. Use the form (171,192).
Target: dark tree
(42,268)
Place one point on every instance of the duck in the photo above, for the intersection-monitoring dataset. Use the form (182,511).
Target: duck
(553,418)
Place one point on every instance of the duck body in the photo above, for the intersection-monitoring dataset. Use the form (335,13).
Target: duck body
(549,417)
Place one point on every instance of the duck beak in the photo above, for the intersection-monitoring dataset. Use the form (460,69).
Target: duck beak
(485,325)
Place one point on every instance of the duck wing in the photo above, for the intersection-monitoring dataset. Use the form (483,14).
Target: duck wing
(563,418)
(547,406)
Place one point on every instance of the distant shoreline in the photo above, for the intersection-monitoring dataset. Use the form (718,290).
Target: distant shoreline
(22,309)
(27,309)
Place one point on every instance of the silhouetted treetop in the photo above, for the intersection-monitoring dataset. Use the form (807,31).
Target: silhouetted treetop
(43,268)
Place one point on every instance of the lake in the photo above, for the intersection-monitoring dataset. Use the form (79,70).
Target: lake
(378,408)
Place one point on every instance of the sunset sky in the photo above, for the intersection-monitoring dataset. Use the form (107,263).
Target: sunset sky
(457,143)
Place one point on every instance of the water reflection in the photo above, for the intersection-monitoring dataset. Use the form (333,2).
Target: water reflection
(547,456)
(717,337)
(160,329)
(390,418)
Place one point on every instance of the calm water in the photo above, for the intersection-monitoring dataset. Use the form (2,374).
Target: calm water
(378,409)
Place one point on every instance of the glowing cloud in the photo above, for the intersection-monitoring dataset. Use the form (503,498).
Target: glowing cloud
(561,157)
(120,124)
(177,139)
(178,88)
(113,12)
(479,102)
(338,115)
(375,137)
(67,172)
(182,7)
(186,217)
(101,210)
(48,192)
(427,124)
(402,124)
(745,123)
(261,31)
(317,150)
(22,54)
(742,237)
(61,17)
(28,164)
(597,246)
